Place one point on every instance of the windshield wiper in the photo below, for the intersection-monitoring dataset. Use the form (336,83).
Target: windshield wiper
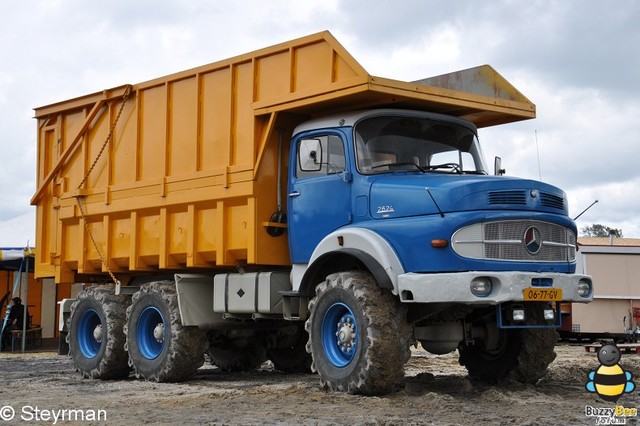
(454,167)
(395,165)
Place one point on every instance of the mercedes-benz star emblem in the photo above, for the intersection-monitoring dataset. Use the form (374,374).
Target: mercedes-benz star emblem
(532,240)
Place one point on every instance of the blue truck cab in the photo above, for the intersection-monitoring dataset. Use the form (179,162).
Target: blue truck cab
(477,262)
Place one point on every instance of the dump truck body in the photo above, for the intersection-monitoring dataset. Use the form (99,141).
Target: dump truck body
(286,199)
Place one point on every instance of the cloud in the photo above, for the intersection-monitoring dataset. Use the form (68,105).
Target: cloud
(573,58)
(585,141)
(583,137)
(573,44)
(615,201)
(567,43)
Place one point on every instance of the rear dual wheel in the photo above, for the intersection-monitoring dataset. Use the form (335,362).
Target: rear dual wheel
(160,347)
(96,338)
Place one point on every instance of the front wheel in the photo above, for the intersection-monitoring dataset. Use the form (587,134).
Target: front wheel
(519,354)
(358,335)
(160,347)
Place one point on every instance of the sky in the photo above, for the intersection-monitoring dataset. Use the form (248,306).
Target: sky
(577,60)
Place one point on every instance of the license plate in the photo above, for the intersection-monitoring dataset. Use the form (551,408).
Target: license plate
(542,294)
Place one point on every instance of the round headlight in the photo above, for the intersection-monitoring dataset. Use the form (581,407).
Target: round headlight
(481,286)
(584,288)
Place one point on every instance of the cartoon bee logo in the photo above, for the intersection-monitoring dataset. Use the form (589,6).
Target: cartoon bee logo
(609,380)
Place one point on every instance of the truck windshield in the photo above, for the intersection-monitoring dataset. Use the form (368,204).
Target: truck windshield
(386,144)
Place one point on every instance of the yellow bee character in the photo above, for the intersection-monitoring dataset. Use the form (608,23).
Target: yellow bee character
(609,380)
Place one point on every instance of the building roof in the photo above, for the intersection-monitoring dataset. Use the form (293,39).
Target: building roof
(607,241)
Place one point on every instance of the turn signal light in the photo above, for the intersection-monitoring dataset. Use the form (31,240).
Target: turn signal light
(439,243)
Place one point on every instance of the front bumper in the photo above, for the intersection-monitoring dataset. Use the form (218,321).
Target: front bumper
(506,287)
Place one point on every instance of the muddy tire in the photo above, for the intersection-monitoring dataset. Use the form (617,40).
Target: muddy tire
(233,355)
(536,353)
(160,347)
(523,355)
(358,335)
(96,338)
(291,356)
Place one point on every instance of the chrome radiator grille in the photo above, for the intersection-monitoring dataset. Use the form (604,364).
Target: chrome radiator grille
(529,241)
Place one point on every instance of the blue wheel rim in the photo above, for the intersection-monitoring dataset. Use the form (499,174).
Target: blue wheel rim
(150,347)
(339,334)
(88,344)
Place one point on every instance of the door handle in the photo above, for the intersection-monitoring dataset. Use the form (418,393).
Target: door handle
(294,194)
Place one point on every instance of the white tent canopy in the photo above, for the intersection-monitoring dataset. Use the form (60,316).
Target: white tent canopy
(16,235)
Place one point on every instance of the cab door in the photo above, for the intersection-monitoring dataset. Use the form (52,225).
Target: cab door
(319,191)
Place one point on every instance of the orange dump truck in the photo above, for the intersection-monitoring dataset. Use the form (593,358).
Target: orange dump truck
(287,205)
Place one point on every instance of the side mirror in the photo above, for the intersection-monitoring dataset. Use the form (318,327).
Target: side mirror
(497,167)
(309,155)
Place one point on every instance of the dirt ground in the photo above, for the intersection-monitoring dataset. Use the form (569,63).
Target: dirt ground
(436,391)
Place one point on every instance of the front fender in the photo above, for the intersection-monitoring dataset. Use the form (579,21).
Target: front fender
(368,247)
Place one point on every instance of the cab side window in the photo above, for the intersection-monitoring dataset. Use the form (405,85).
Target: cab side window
(320,156)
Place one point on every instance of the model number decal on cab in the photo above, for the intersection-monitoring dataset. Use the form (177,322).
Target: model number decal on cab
(385,209)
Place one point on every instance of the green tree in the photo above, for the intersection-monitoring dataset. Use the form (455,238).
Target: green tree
(597,230)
